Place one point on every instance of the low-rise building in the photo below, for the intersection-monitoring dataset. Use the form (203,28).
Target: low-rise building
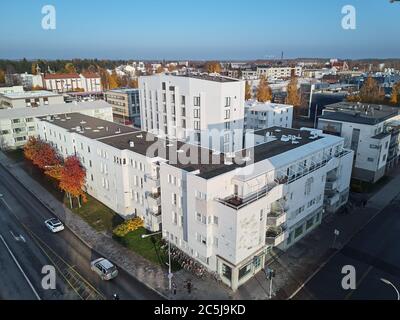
(29,99)
(225,211)
(17,125)
(126,105)
(72,82)
(12,89)
(370,131)
(265,115)
(279,72)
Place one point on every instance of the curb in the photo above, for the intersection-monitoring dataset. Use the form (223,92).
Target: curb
(75,233)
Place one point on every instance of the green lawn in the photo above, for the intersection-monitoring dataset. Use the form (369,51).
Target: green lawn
(149,248)
(96,214)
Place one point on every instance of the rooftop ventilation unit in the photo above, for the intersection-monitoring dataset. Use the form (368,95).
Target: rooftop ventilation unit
(285,138)
(140,136)
(131,144)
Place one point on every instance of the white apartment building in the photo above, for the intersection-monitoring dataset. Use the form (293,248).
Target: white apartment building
(13,89)
(223,210)
(260,115)
(279,72)
(118,171)
(371,131)
(62,83)
(17,125)
(29,99)
(200,109)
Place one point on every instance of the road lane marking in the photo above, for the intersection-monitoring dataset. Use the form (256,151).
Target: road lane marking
(20,268)
(5,203)
(348,296)
(18,238)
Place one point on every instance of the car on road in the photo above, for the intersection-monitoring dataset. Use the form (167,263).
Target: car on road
(104,268)
(54,225)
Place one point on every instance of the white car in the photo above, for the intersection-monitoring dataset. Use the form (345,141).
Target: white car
(54,225)
(104,268)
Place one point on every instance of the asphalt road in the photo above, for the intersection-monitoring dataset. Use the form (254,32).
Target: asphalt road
(374,253)
(23,214)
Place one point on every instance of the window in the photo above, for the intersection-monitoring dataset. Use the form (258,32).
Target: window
(196,113)
(215,220)
(183,100)
(226,272)
(196,101)
(309,223)
(227,101)
(196,125)
(370,159)
(298,232)
(227,114)
(307,189)
(244,271)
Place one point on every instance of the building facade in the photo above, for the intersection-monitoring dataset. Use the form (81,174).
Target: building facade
(265,115)
(371,131)
(126,105)
(198,108)
(73,82)
(279,72)
(29,99)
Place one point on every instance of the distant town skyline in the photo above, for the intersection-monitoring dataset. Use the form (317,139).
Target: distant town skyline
(206,30)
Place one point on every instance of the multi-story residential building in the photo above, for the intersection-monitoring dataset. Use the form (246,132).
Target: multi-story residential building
(198,108)
(279,72)
(265,115)
(18,124)
(30,99)
(126,105)
(223,210)
(250,74)
(118,171)
(28,81)
(370,130)
(73,82)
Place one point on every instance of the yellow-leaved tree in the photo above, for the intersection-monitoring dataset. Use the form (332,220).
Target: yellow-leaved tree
(264,91)
(293,96)
(248,94)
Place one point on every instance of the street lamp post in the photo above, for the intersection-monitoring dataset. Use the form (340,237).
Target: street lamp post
(392,285)
(170,275)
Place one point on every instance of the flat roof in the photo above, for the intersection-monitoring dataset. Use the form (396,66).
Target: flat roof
(122,90)
(207,77)
(30,94)
(52,109)
(260,106)
(359,113)
(208,162)
(90,127)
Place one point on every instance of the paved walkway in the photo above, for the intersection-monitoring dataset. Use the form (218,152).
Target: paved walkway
(292,267)
(300,262)
(150,274)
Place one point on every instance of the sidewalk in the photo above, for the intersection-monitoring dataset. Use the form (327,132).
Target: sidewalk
(150,274)
(299,262)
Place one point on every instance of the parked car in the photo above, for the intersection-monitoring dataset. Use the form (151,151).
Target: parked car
(54,225)
(104,268)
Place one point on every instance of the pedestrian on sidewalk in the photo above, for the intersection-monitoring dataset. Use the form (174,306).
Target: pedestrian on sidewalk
(189,286)
(174,288)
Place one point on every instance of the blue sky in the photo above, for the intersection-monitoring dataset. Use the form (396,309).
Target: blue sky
(199,29)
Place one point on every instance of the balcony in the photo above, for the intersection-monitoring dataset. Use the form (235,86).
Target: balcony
(154,199)
(274,236)
(154,211)
(331,185)
(276,219)
(237,202)
(152,181)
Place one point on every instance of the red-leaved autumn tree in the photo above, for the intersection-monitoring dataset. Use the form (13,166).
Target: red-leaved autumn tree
(41,153)
(72,179)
